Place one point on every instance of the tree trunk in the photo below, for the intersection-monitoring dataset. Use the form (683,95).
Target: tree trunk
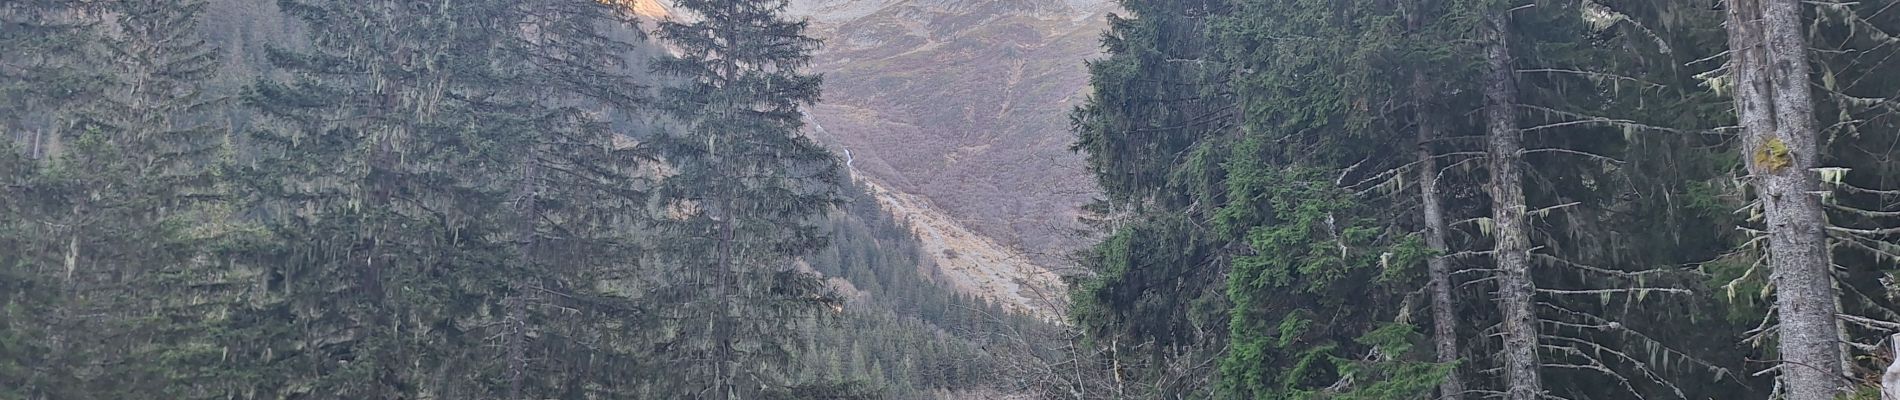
(1773,102)
(1438,271)
(1444,324)
(516,302)
(528,248)
(72,251)
(1890,381)
(517,351)
(726,357)
(36,144)
(1511,236)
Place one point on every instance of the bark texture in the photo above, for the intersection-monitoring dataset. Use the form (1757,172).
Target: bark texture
(1890,379)
(1510,232)
(1438,270)
(1776,110)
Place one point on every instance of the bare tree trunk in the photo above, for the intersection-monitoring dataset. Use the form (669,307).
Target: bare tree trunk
(1444,324)
(1773,102)
(1890,380)
(528,240)
(72,250)
(727,360)
(1511,236)
(36,143)
(517,321)
(1438,271)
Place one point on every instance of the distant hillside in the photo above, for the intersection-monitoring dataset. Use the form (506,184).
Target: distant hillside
(965,104)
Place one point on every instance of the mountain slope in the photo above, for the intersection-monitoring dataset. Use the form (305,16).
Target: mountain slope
(963,104)
(973,263)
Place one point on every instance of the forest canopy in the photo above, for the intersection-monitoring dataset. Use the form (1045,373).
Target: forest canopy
(1576,199)
(478,199)
(1300,199)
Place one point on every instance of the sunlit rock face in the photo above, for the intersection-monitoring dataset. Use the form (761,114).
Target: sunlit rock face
(965,104)
(653,9)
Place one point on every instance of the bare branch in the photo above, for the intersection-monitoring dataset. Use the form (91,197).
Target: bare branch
(1593,156)
(1592,75)
(1640,366)
(1635,291)
(1598,270)
(1614,122)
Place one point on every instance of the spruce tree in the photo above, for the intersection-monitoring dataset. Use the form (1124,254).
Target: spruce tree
(150,151)
(354,185)
(443,183)
(42,75)
(1158,96)
(744,197)
(1851,77)
(46,59)
(1511,227)
(1425,119)
(559,312)
(118,223)
(1325,88)
(1774,104)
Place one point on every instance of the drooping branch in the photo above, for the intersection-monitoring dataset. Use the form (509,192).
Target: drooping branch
(1576,117)
(1607,325)
(1633,291)
(1589,155)
(1594,75)
(1597,270)
(1596,348)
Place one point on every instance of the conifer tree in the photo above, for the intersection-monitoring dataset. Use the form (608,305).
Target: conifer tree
(149,154)
(434,200)
(1510,232)
(1158,96)
(42,52)
(1424,94)
(1773,101)
(1279,176)
(46,50)
(425,178)
(744,197)
(1319,80)
(115,217)
(1851,65)
(353,175)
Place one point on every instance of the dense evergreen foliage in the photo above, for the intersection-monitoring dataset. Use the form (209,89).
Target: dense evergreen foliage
(463,199)
(1303,199)
(742,196)
(1263,200)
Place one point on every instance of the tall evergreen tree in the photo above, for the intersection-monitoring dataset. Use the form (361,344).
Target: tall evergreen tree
(1279,176)
(436,200)
(743,198)
(421,177)
(1157,292)
(46,50)
(1769,54)
(153,209)
(1850,64)
(1323,85)
(41,52)
(1510,227)
(115,218)
(1424,94)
